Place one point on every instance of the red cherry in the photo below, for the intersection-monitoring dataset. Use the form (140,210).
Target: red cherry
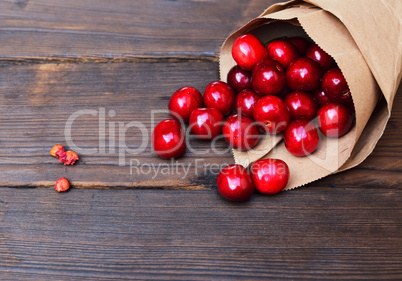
(282,51)
(321,97)
(272,114)
(268,78)
(219,95)
(248,50)
(239,79)
(245,102)
(318,55)
(168,139)
(301,137)
(334,120)
(234,183)
(183,101)
(301,105)
(206,123)
(303,74)
(335,86)
(300,43)
(270,176)
(240,132)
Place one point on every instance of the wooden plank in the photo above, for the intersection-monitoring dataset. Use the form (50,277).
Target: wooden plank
(85,29)
(310,234)
(346,226)
(36,102)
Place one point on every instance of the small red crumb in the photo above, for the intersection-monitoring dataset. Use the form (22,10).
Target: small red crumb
(62,157)
(62,184)
(57,150)
(69,158)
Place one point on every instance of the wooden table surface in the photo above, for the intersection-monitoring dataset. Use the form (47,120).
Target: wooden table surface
(121,59)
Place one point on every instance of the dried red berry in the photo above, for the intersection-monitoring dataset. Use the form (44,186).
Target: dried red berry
(69,158)
(57,150)
(62,184)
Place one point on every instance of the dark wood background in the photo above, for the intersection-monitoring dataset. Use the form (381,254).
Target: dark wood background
(59,57)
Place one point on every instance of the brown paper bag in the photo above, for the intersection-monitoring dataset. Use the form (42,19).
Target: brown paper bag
(357,34)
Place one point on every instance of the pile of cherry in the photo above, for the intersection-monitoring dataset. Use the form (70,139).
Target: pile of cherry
(282,87)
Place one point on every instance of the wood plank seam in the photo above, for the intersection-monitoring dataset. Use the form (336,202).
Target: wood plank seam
(110,59)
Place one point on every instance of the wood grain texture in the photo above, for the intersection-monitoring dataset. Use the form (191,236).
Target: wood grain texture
(36,104)
(128,57)
(306,234)
(122,28)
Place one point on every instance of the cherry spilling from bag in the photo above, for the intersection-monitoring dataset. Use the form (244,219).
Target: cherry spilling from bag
(285,87)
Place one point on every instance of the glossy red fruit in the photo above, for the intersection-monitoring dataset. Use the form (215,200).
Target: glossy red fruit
(282,51)
(183,102)
(234,183)
(334,120)
(248,50)
(318,55)
(270,176)
(245,102)
(301,137)
(300,43)
(206,123)
(168,139)
(219,95)
(239,79)
(241,132)
(301,105)
(303,74)
(268,78)
(321,97)
(272,114)
(335,86)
